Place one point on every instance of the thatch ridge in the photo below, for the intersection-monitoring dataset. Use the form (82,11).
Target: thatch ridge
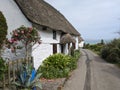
(41,13)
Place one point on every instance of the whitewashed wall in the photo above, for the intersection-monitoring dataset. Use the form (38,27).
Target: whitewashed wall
(46,48)
(76,38)
(13,15)
(81,44)
(15,19)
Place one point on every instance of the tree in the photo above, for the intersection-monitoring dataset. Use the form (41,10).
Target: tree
(102,42)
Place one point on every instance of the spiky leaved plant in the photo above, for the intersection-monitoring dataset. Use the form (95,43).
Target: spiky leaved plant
(27,78)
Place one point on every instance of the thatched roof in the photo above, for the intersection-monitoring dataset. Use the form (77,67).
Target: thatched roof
(80,39)
(67,38)
(41,13)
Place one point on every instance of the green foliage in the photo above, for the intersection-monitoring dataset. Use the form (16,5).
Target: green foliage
(105,52)
(76,54)
(3,68)
(3,30)
(102,41)
(58,66)
(111,51)
(27,78)
(95,47)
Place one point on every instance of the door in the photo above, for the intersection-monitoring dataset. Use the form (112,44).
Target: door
(54,48)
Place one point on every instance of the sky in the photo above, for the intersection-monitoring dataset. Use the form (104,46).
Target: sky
(94,19)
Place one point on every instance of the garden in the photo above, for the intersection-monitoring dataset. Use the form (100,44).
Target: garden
(20,74)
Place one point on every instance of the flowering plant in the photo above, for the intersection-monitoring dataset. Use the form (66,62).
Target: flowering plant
(28,36)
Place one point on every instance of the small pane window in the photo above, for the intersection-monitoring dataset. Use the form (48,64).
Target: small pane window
(54,34)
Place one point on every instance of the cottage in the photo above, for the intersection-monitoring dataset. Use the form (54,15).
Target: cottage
(81,42)
(57,34)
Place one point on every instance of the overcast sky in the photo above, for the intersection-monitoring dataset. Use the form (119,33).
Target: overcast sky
(94,19)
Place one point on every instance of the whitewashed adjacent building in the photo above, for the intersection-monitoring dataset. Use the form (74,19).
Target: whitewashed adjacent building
(80,42)
(50,23)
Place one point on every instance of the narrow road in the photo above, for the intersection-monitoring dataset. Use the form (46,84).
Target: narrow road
(93,73)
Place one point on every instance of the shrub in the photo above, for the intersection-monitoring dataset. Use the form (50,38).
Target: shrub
(57,66)
(95,47)
(76,54)
(111,52)
(105,52)
(112,57)
(3,33)
(3,68)
(3,30)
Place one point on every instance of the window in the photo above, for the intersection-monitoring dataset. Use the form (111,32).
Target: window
(54,34)
(44,28)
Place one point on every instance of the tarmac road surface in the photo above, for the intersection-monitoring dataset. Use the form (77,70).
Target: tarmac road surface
(93,73)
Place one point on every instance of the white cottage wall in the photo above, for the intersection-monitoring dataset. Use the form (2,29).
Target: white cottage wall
(14,18)
(76,38)
(81,44)
(45,49)
(13,15)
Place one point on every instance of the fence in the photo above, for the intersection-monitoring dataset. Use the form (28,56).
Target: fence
(14,66)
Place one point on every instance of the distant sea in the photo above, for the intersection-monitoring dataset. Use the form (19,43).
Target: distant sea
(96,41)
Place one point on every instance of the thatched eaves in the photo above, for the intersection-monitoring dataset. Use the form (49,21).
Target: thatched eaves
(67,38)
(80,39)
(41,13)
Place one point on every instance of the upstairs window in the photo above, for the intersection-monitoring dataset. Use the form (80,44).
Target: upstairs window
(54,34)
(44,28)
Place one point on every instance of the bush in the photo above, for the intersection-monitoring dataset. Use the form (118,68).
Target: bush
(57,66)
(111,52)
(95,47)
(3,68)
(3,30)
(105,52)
(76,54)
(3,33)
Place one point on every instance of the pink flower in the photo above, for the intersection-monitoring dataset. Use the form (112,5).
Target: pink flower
(15,33)
(10,41)
(22,32)
(30,29)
